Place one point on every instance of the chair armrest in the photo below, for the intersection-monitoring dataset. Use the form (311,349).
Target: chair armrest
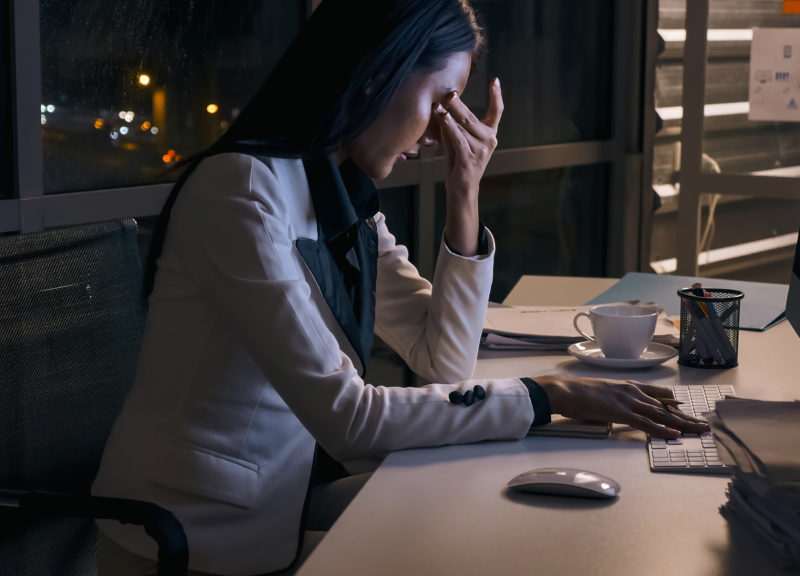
(160,524)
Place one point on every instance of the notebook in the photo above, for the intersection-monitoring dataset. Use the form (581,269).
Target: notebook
(571,428)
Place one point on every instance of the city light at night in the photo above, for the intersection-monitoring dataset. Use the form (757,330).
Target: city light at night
(144,79)
(212,108)
(171,156)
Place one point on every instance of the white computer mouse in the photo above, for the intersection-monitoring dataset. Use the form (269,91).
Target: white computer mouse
(565,482)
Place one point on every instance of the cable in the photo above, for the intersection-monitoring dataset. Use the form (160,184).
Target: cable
(709,165)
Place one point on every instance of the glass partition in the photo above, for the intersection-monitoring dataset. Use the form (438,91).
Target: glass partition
(741,236)
(732,141)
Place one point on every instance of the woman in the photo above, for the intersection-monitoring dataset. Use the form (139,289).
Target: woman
(276,270)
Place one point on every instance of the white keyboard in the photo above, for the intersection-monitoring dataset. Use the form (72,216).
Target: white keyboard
(691,453)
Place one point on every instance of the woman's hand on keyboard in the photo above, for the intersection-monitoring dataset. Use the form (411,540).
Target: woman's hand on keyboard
(622,401)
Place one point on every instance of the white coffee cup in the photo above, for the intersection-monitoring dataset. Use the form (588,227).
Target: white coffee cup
(621,330)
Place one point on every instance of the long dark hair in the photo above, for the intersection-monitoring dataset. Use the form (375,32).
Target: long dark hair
(334,79)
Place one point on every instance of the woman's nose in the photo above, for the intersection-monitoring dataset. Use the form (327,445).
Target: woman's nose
(428,138)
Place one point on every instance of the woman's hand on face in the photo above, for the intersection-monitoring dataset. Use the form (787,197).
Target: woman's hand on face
(468,144)
(623,401)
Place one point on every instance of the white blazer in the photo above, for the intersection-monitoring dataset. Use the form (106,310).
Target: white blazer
(243,368)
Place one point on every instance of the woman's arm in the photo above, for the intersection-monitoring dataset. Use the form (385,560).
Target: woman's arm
(435,328)
(468,145)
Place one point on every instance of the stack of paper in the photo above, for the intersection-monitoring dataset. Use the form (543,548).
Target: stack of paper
(549,328)
(761,441)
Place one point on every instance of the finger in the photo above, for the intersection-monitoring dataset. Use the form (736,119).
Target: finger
(650,427)
(445,139)
(451,135)
(653,390)
(466,119)
(672,418)
(634,392)
(655,395)
(685,416)
(495,110)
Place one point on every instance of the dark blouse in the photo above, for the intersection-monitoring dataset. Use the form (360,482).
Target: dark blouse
(344,259)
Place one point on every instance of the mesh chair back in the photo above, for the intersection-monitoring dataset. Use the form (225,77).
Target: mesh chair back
(71,319)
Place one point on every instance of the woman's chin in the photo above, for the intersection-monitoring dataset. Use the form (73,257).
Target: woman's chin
(379,172)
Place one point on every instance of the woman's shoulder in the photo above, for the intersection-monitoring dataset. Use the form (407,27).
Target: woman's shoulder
(239,173)
(232,163)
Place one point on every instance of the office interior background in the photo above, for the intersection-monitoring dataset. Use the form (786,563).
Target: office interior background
(99,101)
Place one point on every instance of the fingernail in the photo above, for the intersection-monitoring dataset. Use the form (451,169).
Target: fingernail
(451,96)
(496,82)
(440,109)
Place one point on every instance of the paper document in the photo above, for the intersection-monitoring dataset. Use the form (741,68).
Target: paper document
(774,93)
(759,440)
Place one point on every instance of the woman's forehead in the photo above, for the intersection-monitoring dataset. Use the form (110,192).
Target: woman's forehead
(451,75)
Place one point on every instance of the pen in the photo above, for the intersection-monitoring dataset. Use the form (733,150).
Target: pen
(669,402)
(717,338)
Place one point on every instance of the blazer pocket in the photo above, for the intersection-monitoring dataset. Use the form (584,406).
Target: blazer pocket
(203,473)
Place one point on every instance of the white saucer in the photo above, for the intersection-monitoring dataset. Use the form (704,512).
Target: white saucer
(590,352)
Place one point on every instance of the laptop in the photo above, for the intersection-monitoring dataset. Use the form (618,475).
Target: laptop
(793,298)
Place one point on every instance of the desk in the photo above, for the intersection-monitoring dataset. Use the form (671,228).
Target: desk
(446,511)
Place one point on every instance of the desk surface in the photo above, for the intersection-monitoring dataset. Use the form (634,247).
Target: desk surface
(447,511)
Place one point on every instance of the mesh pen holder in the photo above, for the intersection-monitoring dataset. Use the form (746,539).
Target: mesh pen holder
(709,330)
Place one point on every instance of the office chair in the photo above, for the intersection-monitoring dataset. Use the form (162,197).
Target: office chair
(71,319)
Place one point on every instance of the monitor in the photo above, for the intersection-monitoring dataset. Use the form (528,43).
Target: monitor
(793,298)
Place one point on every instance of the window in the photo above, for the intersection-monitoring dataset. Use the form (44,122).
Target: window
(131,87)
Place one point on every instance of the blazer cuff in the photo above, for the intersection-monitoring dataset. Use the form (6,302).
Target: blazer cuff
(539,400)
